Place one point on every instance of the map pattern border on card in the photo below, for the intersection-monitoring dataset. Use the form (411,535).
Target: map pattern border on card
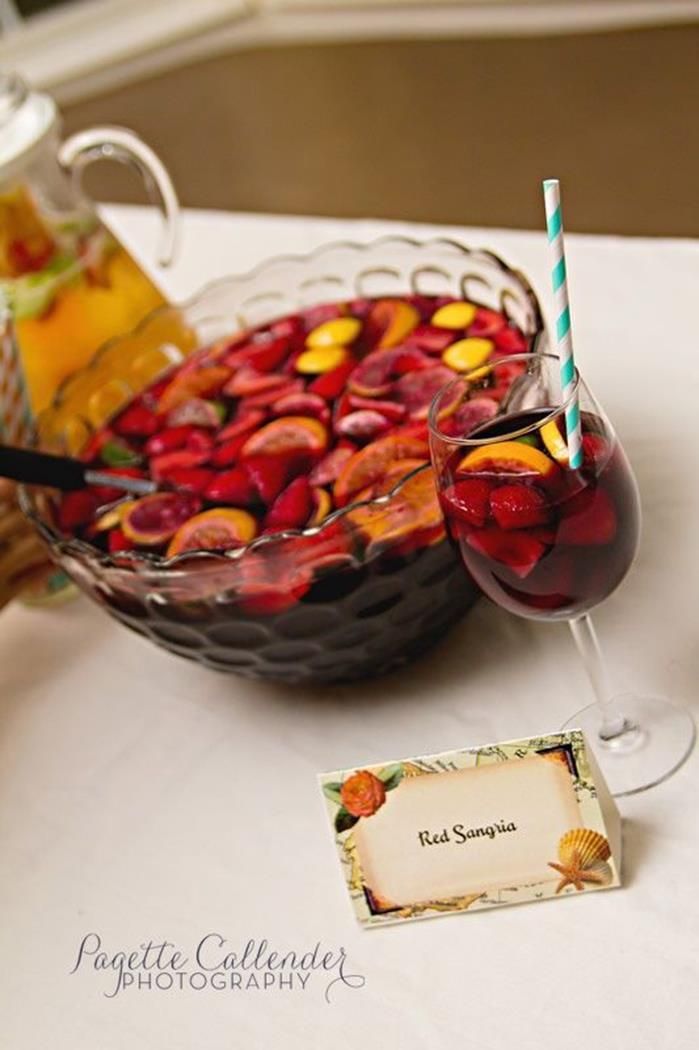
(569,748)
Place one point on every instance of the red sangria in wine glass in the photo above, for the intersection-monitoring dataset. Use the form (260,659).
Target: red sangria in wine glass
(549,542)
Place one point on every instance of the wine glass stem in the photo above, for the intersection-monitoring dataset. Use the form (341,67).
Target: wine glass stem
(612,721)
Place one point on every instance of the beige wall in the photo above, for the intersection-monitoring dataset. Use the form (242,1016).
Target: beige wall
(456,131)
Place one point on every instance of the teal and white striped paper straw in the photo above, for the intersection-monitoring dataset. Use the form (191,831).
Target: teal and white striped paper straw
(559,281)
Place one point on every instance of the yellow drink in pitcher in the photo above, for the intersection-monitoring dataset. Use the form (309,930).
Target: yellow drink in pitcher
(71,287)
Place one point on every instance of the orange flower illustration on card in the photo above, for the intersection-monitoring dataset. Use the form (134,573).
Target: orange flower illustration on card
(361,794)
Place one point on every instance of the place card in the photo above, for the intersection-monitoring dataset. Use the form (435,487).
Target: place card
(524,820)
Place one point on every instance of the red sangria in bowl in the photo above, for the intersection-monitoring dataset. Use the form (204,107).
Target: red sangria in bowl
(298,533)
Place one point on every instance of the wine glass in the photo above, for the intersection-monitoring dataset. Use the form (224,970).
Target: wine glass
(548,542)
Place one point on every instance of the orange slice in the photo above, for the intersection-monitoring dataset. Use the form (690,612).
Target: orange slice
(394,319)
(152,520)
(372,463)
(413,509)
(222,528)
(400,469)
(186,385)
(287,434)
(454,315)
(338,332)
(320,359)
(323,504)
(508,457)
(111,518)
(553,439)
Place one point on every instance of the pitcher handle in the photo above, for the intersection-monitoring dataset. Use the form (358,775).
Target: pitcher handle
(114,143)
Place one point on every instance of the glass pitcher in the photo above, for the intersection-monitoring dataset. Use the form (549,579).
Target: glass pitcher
(69,282)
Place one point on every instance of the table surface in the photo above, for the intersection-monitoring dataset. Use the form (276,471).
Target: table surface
(143,797)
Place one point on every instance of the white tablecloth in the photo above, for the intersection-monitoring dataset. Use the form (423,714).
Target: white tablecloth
(143,797)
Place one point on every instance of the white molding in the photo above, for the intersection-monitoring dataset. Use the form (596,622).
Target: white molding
(88,49)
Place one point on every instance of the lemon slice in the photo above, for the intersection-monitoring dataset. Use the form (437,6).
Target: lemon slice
(454,315)
(551,437)
(467,354)
(338,332)
(320,359)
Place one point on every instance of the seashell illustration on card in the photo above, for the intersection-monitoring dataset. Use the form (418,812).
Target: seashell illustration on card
(582,858)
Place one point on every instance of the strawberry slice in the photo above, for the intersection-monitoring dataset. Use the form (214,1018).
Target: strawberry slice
(596,451)
(228,452)
(416,390)
(486,324)
(161,466)
(118,541)
(168,440)
(468,500)
(248,381)
(331,384)
(391,410)
(328,469)
(510,341)
(200,440)
(77,508)
(302,404)
(137,421)
(268,474)
(290,327)
(518,551)
(430,338)
(409,359)
(269,354)
(243,423)
(255,402)
(231,486)
(519,506)
(190,479)
(469,415)
(362,425)
(292,508)
(588,519)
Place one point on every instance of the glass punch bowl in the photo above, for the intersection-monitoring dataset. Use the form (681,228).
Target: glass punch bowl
(294,606)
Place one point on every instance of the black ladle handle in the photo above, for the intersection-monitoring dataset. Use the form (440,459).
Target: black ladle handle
(62,472)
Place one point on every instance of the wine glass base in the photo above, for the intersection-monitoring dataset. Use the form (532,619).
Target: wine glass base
(650,742)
